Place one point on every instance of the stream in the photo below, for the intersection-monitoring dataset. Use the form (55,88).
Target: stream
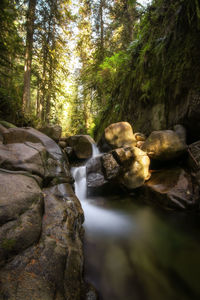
(137,252)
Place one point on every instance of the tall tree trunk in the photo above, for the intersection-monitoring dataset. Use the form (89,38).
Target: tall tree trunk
(28,55)
(101,7)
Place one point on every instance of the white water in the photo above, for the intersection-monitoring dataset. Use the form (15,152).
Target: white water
(98,219)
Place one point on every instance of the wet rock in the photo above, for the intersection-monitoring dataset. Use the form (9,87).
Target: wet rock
(52,131)
(173,189)
(81,145)
(119,135)
(94,173)
(110,166)
(164,145)
(137,171)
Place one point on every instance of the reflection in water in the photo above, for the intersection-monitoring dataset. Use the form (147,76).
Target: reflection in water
(135,252)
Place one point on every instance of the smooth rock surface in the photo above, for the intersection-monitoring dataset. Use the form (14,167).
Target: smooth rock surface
(172,188)
(27,156)
(81,145)
(164,145)
(119,135)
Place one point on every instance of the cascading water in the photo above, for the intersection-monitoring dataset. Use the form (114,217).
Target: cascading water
(134,252)
(97,218)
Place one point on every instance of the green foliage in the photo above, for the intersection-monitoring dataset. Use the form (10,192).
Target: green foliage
(162,61)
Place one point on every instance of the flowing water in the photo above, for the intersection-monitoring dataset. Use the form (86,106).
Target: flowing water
(135,252)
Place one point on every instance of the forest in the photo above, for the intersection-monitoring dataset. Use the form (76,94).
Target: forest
(99,149)
(85,63)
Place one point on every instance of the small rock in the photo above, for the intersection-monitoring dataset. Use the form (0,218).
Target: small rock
(110,166)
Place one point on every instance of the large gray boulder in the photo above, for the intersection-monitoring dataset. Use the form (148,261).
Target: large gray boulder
(41,255)
(30,157)
(164,145)
(81,145)
(56,165)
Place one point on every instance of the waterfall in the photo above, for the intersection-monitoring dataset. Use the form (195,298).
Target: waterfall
(79,175)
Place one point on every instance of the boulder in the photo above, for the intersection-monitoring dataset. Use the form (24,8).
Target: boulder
(81,145)
(30,157)
(95,175)
(56,166)
(124,156)
(20,213)
(136,172)
(41,255)
(164,145)
(62,144)
(52,131)
(119,135)
(173,189)
(110,166)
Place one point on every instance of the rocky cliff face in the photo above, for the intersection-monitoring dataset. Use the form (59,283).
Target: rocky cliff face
(160,86)
(41,254)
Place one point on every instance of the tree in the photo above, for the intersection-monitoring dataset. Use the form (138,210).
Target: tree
(28,55)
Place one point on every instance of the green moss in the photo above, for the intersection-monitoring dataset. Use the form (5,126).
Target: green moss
(8,244)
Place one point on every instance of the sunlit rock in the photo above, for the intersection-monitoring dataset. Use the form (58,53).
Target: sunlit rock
(135,174)
(164,145)
(117,135)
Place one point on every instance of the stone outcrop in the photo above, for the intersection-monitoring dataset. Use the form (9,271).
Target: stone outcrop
(81,145)
(172,189)
(164,145)
(41,220)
